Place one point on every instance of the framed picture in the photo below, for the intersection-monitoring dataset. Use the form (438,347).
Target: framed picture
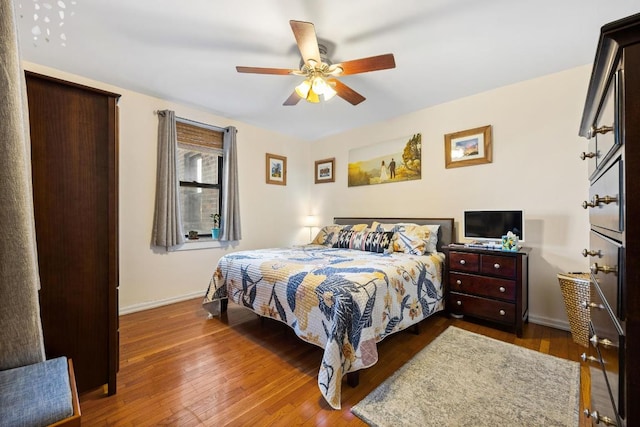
(325,170)
(276,169)
(390,161)
(468,147)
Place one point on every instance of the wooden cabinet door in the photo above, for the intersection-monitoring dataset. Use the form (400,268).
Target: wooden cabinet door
(73,151)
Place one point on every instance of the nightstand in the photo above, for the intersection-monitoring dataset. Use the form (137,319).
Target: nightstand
(489,284)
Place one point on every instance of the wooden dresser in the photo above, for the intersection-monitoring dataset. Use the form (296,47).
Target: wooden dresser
(489,284)
(74,136)
(611,124)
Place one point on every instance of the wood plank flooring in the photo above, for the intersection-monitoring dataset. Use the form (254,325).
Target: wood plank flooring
(179,368)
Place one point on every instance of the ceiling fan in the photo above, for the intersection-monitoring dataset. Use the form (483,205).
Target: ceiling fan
(320,74)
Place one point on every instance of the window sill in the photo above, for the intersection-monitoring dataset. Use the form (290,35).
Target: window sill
(201,243)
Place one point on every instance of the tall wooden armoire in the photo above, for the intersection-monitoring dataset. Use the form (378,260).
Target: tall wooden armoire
(74,152)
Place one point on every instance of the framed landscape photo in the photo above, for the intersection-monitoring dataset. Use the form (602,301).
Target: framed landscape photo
(276,169)
(468,147)
(324,170)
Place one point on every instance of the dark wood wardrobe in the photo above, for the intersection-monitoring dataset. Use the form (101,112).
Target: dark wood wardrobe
(74,152)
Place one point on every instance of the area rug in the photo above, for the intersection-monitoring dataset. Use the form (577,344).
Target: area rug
(466,379)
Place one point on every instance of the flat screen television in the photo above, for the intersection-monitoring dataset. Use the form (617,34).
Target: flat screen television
(491,225)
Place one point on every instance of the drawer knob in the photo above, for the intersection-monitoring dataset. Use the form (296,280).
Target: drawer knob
(584,155)
(496,266)
(596,200)
(602,129)
(502,289)
(596,341)
(459,302)
(599,418)
(586,253)
(586,305)
(458,282)
(502,312)
(603,268)
(586,358)
(463,262)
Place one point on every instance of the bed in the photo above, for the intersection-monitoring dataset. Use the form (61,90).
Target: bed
(346,291)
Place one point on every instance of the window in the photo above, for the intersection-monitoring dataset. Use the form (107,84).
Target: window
(200,174)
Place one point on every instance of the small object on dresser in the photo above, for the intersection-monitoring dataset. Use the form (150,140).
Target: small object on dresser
(510,242)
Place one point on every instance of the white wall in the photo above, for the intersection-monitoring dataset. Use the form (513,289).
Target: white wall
(271,214)
(535,167)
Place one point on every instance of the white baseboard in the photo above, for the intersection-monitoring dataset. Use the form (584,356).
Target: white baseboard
(552,323)
(158,303)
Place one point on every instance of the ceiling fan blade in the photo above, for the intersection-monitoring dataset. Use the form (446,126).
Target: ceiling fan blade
(292,99)
(305,34)
(363,65)
(346,93)
(260,70)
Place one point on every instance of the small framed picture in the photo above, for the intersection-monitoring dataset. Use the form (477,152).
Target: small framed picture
(276,169)
(325,170)
(468,147)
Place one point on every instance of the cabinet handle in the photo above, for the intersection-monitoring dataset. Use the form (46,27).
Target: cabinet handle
(604,268)
(596,341)
(502,289)
(586,305)
(586,358)
(502,312)
(459,302)
(458,282)
(463,262)
(496,266)
(599,418)
(584,155)
(602,129)
(596,200)
(586,253)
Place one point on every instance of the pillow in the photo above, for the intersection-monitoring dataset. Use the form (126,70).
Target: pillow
(378,226)
(328,235)
(378,241)
(344,239)
(416,239)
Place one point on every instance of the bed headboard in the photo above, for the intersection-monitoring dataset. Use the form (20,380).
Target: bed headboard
(445,233)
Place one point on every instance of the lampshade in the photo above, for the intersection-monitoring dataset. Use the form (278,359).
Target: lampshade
(311,221)
(303,89)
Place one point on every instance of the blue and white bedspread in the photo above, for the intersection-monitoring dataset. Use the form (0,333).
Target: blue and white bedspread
(342,300)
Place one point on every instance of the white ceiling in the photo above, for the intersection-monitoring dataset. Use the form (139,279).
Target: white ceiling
(186,51)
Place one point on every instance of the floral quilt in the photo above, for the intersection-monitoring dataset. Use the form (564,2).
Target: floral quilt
(342,300)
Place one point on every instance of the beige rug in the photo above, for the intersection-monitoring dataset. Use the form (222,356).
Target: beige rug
(467,379)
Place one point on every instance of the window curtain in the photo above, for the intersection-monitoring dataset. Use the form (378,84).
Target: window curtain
(21,341)
(167,221)
(230,225)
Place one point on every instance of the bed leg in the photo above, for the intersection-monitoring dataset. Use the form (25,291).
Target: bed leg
(353,378)
(223,305)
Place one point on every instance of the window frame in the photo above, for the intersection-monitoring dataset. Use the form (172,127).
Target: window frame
(196,184)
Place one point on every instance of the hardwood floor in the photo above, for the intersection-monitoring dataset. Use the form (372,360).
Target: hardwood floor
(179,368)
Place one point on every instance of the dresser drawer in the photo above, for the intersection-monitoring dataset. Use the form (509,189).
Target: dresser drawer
(607,340)
(605,207)
(601,405)
(497,311)
(496,265)
(607,124)
(483,286)
(464,261)
(604,259)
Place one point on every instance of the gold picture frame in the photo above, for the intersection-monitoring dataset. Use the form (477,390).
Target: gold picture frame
(468,147)
(276,169)
(325,170)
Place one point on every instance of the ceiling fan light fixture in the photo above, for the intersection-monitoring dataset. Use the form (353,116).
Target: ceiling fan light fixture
(313,97)
(303,89)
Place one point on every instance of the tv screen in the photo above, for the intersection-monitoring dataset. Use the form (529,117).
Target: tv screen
(493,224)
